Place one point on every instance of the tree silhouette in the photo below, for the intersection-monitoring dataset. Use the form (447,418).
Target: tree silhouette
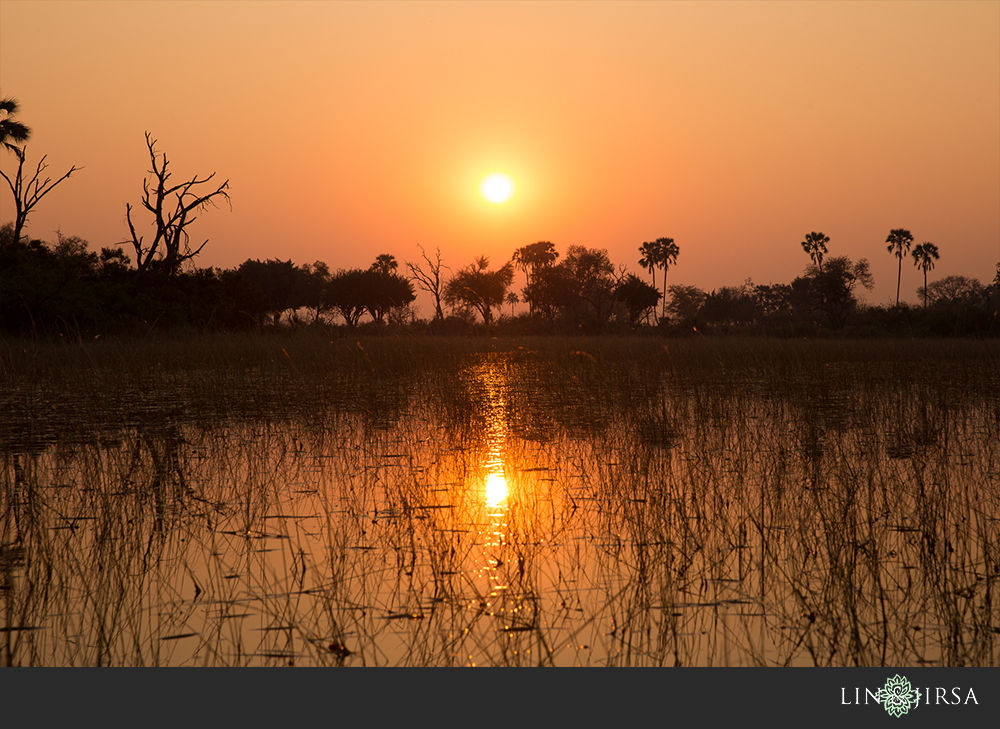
(385,263)
(28,192)
(41,283)
(312,282)
(581,288)
(552,290)
(924,256)
(280,282)
(512,299)
(661,253)
(648,260)
(12,132)
(836,286)
(731,305)
(955,291)
(429,279)
(354,292)
(385,291)
(815,246)
(668,258)
(169,247)
(593,279)
(639,297)
(531,257)
(685,304)
(774,300)
(899,241)
(479,288)
(347,294)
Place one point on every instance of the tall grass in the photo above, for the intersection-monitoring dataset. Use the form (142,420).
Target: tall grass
(272,500)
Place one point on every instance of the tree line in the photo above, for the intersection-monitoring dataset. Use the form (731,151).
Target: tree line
(65,287)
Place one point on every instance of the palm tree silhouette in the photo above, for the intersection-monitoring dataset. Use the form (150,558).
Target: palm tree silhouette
(530,258)
(12,132)
(648,260)
(815,246)
(899,241)
(924,256)
(533,256)
(668,258)
(512,299)
(385,263)
(661,253)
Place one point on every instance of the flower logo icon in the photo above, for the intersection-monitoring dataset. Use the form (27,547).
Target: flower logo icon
(897,696)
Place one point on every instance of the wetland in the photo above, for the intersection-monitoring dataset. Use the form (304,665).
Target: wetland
(288,499)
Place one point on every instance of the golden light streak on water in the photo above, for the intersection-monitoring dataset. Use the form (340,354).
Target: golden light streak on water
(496,489)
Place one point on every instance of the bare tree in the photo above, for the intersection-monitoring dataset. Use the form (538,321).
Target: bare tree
(29,192)
(429,279)
(173,208)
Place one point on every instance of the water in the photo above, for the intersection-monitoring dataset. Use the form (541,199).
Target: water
(517,509)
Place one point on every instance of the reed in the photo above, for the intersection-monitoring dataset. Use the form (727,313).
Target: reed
(276,500)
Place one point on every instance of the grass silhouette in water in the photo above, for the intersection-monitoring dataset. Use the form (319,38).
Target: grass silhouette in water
(291,500)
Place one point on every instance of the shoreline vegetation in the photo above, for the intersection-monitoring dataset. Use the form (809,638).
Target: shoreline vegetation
(66,290)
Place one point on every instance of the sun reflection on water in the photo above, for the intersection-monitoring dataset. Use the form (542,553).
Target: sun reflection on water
(496,489)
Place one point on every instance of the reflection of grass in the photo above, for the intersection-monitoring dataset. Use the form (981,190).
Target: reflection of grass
(275,500)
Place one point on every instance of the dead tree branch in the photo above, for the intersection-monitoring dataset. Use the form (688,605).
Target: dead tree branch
(429,278)
(29,192)
(173,208)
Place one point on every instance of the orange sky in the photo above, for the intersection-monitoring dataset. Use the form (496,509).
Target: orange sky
(353,129)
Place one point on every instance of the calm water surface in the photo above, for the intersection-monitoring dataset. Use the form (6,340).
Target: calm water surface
(517,510)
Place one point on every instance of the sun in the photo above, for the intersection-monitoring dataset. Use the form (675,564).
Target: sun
(497,188)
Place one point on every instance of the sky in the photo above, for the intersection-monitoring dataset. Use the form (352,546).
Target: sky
(351,129)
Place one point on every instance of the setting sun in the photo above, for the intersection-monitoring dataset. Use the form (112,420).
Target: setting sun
(508,334)
(497,188)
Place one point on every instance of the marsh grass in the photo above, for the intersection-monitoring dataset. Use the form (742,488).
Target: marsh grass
(291,500)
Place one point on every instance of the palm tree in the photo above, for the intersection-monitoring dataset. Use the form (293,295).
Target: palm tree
(512,299)
(532,257)
(385,263)
(924,256)
(12,133)
(815,246)
(899,241)
(648,260)
(661,253)
(667,252)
